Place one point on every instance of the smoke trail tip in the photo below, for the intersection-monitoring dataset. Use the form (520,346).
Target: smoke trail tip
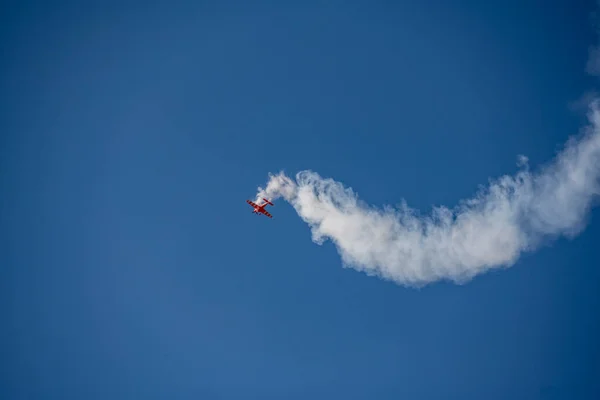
(279,185)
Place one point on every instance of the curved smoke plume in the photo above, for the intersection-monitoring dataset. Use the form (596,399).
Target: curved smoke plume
(512,215)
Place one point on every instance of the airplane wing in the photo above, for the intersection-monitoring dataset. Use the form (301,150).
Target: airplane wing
(267,214)
(251,203)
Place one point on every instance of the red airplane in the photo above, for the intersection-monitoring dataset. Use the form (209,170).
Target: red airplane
(261,209)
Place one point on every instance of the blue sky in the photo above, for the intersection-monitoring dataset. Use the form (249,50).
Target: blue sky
(133,268)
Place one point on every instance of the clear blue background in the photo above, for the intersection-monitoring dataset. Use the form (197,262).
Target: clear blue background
(132,268)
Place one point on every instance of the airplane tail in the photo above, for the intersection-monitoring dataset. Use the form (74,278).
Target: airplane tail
(268,202)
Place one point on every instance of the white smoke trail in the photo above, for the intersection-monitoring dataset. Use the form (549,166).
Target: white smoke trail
(512,215)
